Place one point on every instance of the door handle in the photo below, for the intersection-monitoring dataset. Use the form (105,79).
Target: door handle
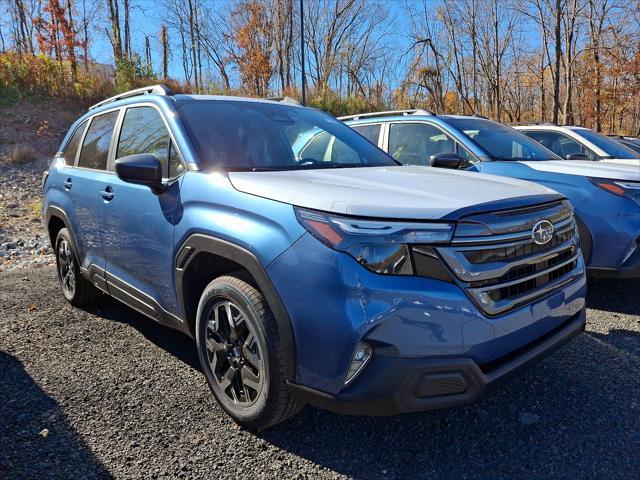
(107,194)
(67,183)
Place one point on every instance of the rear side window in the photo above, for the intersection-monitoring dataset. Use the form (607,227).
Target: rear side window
(95,149)
(370,132)
(143,131)
(69,154)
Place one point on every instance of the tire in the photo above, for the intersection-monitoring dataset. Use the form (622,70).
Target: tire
(75,288)
(242,358)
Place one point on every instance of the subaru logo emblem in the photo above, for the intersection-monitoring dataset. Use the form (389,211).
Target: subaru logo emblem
(542,232)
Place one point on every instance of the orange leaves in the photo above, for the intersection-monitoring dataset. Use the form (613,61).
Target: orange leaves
(253,40)
(54,32)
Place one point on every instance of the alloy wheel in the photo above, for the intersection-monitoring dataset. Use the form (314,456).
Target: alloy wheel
(234,353)
(66,268)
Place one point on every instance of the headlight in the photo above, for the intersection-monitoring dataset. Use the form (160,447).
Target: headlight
(379,245)
(620,188)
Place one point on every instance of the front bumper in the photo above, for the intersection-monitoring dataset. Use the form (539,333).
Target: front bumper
(393,385)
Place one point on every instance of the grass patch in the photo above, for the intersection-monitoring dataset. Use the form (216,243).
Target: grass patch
(36,209)
(22,154)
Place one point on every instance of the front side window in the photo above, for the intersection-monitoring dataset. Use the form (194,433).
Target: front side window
(499,141)
(95,149)
(71,150)
(241,135)
(611,147)
(143,131)
(414,143)
(560,144)
(370,132)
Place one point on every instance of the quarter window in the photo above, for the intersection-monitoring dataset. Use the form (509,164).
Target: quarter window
(95,149)
(414,143)
(370,132)
(143,131)
(69,154)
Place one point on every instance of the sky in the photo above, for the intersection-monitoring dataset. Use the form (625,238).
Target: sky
(146,18)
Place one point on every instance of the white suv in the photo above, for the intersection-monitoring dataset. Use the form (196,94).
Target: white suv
(579,143)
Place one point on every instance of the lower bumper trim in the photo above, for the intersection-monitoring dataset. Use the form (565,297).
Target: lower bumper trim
(630,269)
(395,385)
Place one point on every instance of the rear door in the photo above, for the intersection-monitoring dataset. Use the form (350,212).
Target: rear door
(137,224)
(84,183)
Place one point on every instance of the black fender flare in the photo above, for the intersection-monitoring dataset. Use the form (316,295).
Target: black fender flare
(59,213)
(198,243)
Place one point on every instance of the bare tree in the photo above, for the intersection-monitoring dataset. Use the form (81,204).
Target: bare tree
(164,42)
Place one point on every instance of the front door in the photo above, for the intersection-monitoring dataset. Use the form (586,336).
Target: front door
(137,224)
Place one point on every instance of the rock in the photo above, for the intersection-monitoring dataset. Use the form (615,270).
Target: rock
(527,418)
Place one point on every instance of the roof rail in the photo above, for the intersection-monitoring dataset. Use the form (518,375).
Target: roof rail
(153,89)
(477,115)
(286,100)
(419,111)
(533,123)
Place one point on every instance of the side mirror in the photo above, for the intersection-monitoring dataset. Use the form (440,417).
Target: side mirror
(577,156)
(445,160)
(143,169)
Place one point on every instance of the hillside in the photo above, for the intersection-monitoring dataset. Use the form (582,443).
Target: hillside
(30,132)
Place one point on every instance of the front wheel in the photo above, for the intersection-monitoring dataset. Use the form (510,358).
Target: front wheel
(241,354)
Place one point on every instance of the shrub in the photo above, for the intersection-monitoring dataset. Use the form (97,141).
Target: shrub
(22,154)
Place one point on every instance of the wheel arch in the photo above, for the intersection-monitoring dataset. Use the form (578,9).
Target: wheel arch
(586,240)
(201,258)
(55,220)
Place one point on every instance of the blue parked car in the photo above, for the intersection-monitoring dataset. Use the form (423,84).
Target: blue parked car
(348,281)
(606,196)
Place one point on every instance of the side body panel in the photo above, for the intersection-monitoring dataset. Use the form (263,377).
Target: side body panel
(210,205)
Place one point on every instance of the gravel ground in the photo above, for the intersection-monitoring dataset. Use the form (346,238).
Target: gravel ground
(23,242)
(106,393)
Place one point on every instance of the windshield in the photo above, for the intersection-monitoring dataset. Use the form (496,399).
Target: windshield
(242,135)
(611,147)
(500,141)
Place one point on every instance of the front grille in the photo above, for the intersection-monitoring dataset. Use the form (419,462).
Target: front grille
(533,283)
(504,254)
(497,262)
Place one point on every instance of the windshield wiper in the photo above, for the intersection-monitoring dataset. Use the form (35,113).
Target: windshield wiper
(517,159)
(311,166)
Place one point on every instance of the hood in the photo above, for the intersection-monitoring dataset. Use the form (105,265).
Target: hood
(630,162)
(407,192)
(587,168)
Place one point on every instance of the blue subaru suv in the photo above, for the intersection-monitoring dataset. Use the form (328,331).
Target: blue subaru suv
(337,278)
(606,196)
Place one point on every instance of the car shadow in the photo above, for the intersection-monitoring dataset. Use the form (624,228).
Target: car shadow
(627,341)
(611,295)
(27,450)
(176,343)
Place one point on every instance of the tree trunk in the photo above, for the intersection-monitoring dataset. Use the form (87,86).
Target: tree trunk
(116,38)
(164,41)
(557,32)
(127,29)
(85,43)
